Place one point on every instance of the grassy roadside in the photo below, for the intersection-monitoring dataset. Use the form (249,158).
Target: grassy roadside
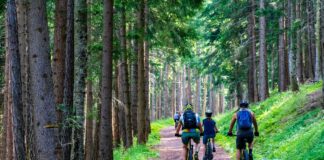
(142,152)
(288,129)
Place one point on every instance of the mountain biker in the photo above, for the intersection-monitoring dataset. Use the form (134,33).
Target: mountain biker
(244,117)
(176,118)
(191,129)
(210,129)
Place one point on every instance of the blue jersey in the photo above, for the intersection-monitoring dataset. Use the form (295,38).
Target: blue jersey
(209,126)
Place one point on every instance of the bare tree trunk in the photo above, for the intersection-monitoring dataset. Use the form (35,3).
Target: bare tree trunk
(66,133)
(204,103)
(122,106)
(141,127)
(252,78)
(281,58)
(198,88)
(184,97)
(179,92)
(80,75)
(42,95)
(221,99)
(292,50)
(299,54)
(115,113)
(318,42)
(59,54)
(134,99)
(189,97)
(263,73)
(310,37)
(124,79)
(166,106)
(147,71)
(322,36)
(105,143)
(15,81)
(89,122)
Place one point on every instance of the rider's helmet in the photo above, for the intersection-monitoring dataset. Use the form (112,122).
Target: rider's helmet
(244,104)
(188,107)
(208,113)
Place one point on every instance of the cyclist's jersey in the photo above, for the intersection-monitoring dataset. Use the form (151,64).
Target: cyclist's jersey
(239,131)
(193,129)
(209,126)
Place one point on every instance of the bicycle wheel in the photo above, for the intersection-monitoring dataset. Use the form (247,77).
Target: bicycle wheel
(245,154)
(209,151)
(190,156)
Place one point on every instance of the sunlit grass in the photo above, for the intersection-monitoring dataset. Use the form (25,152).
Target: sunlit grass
(286,131)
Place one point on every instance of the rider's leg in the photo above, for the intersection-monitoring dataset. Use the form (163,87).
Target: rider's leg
(185,152)
(238,154)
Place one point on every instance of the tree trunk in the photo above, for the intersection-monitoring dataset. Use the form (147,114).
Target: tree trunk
(147,71)
(166,99)
(80,75)
(281,58)
(221,99)
(189,97)
(59,54)
(299,53)
(89,122)
(124,78)
(141,127)
(318,42)
(42,95)
(179,92)
(322,36)
(122,106)
(204,103)
(263,73)
(184,96)
(116,113)
(134,79)
(310,37)
(198,88)
(66,132)
(15,81)
(252,78)
(292,50)
(105,143)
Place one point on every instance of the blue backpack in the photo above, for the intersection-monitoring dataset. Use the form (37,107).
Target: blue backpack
(244,120)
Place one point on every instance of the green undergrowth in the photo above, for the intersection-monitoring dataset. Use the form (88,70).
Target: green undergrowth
(143,152)
(288,129)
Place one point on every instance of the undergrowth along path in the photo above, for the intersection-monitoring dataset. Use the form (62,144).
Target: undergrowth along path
(170,147)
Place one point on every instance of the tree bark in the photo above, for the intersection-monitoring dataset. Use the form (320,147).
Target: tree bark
(299,48)
(89,122)
(134,79)
(42,95)
(189,97)
(116,112)
(281,58)
(179,92)
(15,81)
(66,130)
(141,127)
(263,73)
(310,38)
(318,66)
(59,54)
(79,81)
(125,79)
(204,103)
(105,143)
(198,88)
(292,48)
(252,78)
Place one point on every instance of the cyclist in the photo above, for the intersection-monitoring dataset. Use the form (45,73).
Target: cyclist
(244,117)
(176,118)
(191,129)
(210,129)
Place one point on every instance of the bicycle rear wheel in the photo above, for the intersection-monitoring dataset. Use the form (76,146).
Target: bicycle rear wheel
(245,155)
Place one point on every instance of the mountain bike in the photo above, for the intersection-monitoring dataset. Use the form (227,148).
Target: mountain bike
(244,152)
(190,149)
(209,150)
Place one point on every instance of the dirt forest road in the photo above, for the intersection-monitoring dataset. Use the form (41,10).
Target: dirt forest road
(170,147)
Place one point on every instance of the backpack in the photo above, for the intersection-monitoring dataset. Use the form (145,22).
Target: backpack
(189,119)
(244,120)
(176,116)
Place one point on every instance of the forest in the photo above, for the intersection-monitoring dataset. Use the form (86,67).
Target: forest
(94,79)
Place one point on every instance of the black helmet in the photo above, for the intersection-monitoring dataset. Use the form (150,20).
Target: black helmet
(244,104)
(208,113)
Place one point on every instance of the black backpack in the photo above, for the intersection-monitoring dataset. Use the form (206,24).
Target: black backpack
(189,119)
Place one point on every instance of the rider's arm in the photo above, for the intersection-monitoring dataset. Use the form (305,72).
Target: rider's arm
(255,124)
(178,128)
(200,128)
(232,123)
